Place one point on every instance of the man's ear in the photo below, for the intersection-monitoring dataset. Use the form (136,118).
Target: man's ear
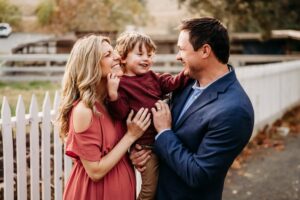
(206,50)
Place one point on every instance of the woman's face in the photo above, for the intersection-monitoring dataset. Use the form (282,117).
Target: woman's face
(110,62)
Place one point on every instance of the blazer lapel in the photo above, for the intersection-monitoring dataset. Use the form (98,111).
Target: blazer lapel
(209,95)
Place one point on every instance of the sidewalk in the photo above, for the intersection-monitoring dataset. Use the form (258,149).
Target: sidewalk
(272,171)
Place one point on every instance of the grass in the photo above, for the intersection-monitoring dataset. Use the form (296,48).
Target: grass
(12,90)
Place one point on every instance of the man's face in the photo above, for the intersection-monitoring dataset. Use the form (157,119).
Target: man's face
(190,59)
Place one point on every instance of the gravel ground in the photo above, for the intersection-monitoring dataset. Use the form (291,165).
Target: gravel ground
(269,174)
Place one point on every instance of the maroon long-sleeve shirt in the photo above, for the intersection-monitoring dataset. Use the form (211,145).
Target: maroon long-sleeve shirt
(140,91)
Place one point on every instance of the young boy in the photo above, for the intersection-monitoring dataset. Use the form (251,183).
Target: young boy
(140,87)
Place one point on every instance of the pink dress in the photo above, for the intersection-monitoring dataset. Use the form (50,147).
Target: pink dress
(91,145)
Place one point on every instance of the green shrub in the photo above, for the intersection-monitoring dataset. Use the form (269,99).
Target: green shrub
(45,11)
(9,13)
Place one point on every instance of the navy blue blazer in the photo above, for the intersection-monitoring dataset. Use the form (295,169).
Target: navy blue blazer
(197,153)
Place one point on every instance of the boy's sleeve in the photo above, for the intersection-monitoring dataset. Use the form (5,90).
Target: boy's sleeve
(169,83)
(119,109)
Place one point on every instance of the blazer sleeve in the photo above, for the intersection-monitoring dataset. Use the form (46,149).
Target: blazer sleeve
(221,144)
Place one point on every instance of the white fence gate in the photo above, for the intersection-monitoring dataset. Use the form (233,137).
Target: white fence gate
(41,167)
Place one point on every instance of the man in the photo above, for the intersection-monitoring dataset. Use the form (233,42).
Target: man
(212,118)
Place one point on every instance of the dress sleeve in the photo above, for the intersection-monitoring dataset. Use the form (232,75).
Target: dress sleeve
(169,83)
(87,144)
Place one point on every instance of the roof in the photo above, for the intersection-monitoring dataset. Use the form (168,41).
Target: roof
(275,34)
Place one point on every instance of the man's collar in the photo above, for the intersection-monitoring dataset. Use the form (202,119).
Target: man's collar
(197,86)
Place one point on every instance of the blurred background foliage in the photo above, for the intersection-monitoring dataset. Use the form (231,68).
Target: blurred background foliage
(45,12)
(9,13)
(249,15)
(91,15)
(114,15)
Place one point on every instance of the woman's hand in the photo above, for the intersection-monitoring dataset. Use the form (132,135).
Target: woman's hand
(113,82)
(138,124)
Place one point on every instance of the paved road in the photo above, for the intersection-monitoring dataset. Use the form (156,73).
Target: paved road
(15,39)
(268,175)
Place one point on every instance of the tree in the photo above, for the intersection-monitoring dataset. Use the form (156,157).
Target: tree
(9,13)
(95,15)
(249,15)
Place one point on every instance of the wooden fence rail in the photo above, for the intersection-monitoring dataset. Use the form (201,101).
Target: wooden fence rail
(28,67)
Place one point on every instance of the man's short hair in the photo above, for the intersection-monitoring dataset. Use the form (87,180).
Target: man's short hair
(208,31)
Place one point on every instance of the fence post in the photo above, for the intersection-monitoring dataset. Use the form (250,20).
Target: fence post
(34,150)
(57,152)
(21,150)
(46,131)
(7,151)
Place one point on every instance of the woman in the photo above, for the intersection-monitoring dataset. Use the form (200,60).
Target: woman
(101,166)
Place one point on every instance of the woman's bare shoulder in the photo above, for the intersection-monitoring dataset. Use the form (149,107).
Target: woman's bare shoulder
(82,117)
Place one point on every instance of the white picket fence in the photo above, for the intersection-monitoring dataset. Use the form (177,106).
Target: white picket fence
(45,152)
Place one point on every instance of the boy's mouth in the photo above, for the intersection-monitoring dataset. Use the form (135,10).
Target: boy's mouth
(144,65)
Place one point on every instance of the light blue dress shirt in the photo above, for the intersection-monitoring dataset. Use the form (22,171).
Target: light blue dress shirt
(197,91)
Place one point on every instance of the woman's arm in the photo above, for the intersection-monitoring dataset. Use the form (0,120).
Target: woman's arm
(136,127)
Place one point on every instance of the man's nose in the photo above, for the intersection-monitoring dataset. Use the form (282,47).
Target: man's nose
(178,56)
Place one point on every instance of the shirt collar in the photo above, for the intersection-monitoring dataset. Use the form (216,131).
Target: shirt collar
(197,86)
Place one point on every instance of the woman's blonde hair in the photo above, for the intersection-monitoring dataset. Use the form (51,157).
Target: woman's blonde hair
(127,41)
(82,78)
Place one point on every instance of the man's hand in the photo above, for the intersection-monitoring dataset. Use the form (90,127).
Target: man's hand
(139,157)
(161,116)
(112,86)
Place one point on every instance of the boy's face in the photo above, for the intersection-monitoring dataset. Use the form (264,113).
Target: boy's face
(138,61)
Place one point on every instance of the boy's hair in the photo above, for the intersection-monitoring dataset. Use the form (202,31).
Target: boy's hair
(208,31)
(127,41)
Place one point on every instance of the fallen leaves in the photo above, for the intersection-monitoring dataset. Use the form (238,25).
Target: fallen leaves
(271,136)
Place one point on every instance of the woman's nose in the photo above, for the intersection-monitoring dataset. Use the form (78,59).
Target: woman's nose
(117,55)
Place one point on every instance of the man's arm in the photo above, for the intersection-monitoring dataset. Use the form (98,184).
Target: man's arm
(225,139)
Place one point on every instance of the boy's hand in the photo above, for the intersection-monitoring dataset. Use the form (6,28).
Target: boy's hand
(112,86)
